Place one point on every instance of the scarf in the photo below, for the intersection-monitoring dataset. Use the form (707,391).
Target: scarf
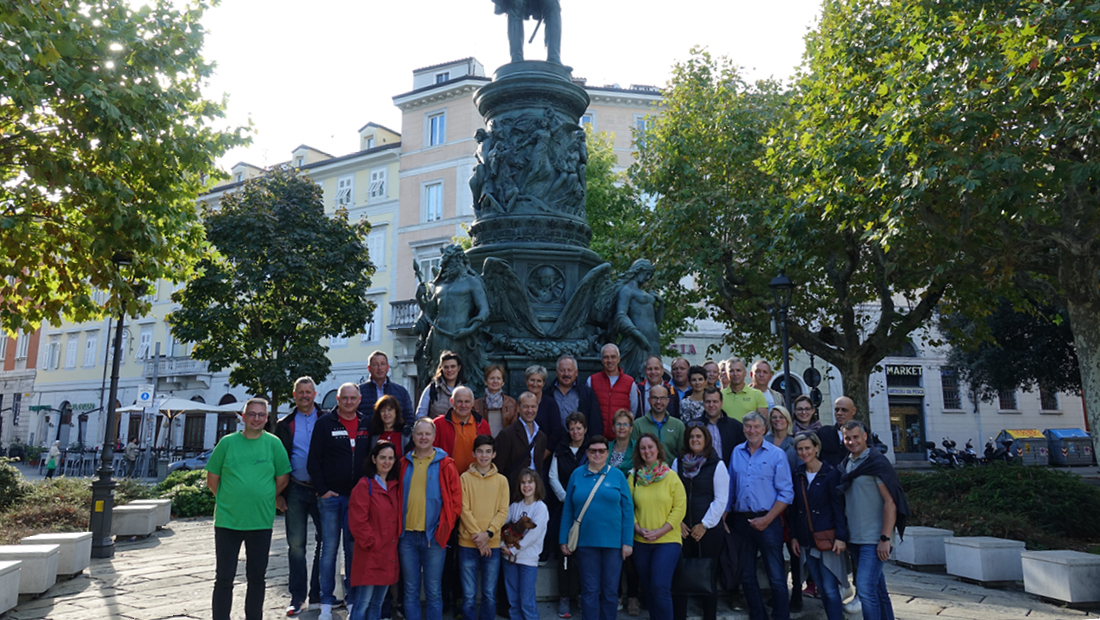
(809,428)
(651,474)
(878,465)
(494,401)
(690,464)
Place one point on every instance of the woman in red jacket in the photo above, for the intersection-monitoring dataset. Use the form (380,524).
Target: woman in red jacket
(374,517)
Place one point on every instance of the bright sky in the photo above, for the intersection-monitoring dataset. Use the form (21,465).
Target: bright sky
(315,72)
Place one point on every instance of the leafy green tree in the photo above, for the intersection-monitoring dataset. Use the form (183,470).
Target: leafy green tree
(284,276)
(104,139)
(614,209)
(985,126)
(1013,348)
(728,177)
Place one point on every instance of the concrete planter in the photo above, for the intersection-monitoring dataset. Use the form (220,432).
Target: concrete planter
(164,509)
(131,520)
(39,569)
(75,553)
(922,547)
(1067,576)
(9,584)
(984,559)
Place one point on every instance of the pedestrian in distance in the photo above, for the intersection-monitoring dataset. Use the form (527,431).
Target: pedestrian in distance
(246,472)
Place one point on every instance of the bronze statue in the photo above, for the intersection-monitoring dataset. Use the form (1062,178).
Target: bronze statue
(548,11)
(637,315)
(453,308)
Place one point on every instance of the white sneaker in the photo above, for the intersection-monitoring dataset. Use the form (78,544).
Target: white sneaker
(349,610)
(853,607)
(326,612)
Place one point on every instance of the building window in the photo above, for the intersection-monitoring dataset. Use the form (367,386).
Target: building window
(239,177)
(372,331)
(377,190)
(3,347)
(1007,400)
(588,119)
(124,347)
(429,268)
(642,124)
(368,143)
(340,340)
(949,380)
(433,202)
(71,346)
(442,77)
(344,186)
(154,293)
(145,342)
(437,129)
(22,345)
(376,248)
(1048,399)
(53,354)
(194,431)
(91,346)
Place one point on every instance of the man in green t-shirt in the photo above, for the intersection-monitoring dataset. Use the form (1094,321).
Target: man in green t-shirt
(245,473)
(739,398)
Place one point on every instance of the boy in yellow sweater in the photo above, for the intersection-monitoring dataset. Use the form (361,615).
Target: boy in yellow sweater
(484,511)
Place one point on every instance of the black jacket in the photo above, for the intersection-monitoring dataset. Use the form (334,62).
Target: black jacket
(333,464)
(878,465)
(832,448)
(826,503)
(513,451)
(586,404)
(732,434)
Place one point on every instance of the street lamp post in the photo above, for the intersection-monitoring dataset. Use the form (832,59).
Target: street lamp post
(782,287)
(103,488)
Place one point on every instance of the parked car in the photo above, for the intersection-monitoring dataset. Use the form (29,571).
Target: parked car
(195,462)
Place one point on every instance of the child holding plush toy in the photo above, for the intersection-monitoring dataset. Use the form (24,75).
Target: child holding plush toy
(521,541)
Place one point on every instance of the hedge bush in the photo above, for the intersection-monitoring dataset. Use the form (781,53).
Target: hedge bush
(1045,508)
(188,492)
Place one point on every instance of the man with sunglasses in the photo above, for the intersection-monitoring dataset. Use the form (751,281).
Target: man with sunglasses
(246,472)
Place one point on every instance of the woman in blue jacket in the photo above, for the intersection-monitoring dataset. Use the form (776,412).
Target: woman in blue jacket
(817,501)
(606,530)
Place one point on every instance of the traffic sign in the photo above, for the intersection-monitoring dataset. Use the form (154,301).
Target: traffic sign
(145,395)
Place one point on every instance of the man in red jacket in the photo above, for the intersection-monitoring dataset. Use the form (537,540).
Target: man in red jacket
(614,388)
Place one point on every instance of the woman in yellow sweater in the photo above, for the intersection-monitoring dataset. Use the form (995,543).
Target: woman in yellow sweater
(659,507)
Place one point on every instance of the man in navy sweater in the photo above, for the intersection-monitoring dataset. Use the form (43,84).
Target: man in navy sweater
(380,385)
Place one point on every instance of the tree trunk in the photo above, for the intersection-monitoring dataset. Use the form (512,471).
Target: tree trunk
(1078,276)
(273,415)
(856,384)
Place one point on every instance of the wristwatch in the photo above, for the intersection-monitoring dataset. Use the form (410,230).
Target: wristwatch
(490,533)
(884,539)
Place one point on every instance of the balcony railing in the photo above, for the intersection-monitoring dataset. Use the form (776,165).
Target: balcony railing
(403,314)
(177,367)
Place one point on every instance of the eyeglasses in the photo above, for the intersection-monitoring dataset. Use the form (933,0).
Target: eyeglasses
(623,425)
(597,450)
(255,415)
(696,424)
(658,398)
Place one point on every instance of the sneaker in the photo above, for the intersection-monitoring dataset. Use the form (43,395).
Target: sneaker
(293,609)
(810,591)
(796,602)
(326,612)
(563,609)
(853,607)
(340,604)
(349,610)
(633,606)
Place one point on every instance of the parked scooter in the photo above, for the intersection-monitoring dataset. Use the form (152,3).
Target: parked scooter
(937,456)
(994,453)
(954,459)
(970,455)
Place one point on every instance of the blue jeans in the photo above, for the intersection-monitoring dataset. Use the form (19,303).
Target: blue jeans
(600,569)
(871,582)
(656,563)
(334,525)
(301,505)
(366,602)
(826,586)
(520,581)
(417,551)
(471,563)
(769,544)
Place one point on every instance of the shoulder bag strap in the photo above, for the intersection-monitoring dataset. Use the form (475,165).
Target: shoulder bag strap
(806,501)
(590,496)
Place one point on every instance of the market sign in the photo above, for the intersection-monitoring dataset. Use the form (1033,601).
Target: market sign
(912,371)
(905,391)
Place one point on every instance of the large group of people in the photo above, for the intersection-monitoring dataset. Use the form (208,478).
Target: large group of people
(614,481)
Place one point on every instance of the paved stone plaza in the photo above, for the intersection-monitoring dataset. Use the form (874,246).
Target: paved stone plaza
(170,574)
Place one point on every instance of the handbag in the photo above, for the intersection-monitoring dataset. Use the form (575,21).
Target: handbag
(824,539)
(575,529)
(696,576)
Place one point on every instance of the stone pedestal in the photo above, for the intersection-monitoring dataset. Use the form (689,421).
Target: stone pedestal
(1066,576)
(9,584)
(131,520)
(74,553)
(39,569)
(922,547)
(983,559)
(164,509)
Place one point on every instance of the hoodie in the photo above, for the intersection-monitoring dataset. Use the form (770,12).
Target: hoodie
(484,505)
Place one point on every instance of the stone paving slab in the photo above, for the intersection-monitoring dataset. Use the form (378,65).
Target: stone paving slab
(170,575)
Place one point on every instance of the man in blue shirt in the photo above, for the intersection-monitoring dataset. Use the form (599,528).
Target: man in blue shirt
(299,501)
(380,385)
(760,490)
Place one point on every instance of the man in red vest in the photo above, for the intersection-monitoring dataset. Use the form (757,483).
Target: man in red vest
(614,388)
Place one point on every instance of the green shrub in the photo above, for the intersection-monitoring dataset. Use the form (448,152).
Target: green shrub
(191,501)
(54,505)
(1043,507)
(129,489)
(177,478)
(12,485)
